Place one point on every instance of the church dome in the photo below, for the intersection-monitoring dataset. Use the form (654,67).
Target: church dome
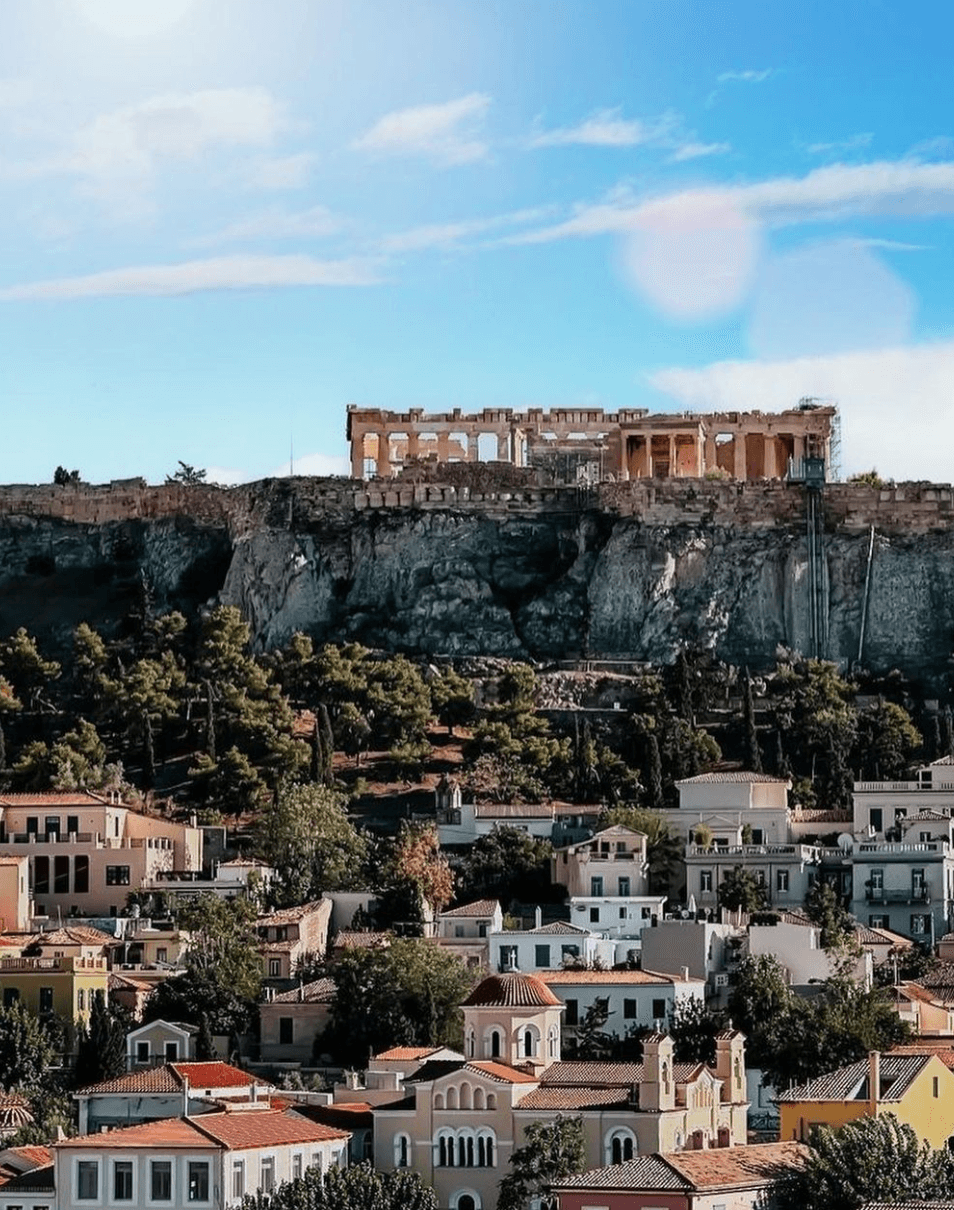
(512,990)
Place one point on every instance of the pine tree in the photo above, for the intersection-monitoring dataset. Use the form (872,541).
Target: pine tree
(204,1044)
(753,754)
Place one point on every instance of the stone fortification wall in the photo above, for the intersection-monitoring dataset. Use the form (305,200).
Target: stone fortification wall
(905,508)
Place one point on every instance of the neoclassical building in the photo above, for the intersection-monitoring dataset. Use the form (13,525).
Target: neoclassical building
(459,1120)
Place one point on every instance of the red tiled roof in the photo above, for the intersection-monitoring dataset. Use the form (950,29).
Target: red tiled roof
(574,1098)
(511,990)
(501,1071)
(169,1078)
(292,915)
(57,798)
(34,1156)
(738,777)
(166,1132)
(738,1167)
(403,1053)
(481,907)
(264,1128)
(320,991)
(570,976)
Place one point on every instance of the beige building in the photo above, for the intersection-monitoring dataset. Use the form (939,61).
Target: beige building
(588,444)
(290,936)
(291,1021)
(16,901)
(612,863)
(464,1118)
(86,852)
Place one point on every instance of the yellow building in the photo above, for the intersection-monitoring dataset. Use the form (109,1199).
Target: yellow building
(917,1088)
(62,987)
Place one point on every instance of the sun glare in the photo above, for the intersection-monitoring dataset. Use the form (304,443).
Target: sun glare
(134,18)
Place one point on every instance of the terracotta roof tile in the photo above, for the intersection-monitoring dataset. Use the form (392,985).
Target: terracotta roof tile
(480,907)
(846,1084)
(502,1071)
(633,978)
(720,1168)
(264,1128)
(574,1098)
(320,991)
(293,915)
(511,990)
(57,798)
(404,1053)
(165,1132)
(169,1078)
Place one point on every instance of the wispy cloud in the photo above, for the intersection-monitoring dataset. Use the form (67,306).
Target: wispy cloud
(193,277)
(748,76)
(282,172)
(698,151)
(313,464)
(450,133)
(445,236)
(606,128)
(857,142)
(315,223)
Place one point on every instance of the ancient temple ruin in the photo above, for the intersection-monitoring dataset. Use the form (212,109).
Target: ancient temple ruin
(588,445)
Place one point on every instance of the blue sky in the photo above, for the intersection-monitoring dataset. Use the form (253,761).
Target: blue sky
(226,220)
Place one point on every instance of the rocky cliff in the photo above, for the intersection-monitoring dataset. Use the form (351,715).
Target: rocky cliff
(631,569)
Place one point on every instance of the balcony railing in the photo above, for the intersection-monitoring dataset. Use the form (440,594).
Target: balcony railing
(887,847)
(915,894)
(805,852)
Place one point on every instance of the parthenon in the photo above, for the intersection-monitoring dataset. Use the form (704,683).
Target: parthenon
(590,445)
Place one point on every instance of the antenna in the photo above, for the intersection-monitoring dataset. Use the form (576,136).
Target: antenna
(291,456)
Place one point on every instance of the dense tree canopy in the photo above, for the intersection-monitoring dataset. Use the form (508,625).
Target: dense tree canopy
(551,1150)
(357,1188)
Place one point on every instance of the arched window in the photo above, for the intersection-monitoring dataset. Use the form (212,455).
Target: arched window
(452,1098)
(80,1000)
(471,1044)
(619,1145)
(486,1148)
(491,1100)
(478,1098)
(465,1201)
(402,1151)
(530,1042)
(552,1042)
(466,1097)
(495,1044)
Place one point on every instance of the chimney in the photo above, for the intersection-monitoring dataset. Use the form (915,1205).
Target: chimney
(874,1079)
(537,917)
(185,1095)
(685,974)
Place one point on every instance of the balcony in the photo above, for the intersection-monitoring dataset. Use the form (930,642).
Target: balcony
(888,848)
(799,852)
(916,894)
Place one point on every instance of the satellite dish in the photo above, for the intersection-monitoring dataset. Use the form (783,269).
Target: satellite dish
(846,842)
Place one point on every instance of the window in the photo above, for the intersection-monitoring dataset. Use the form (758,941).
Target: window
(622,913)
(629,1010)
(495,1045)
(72,823)
(569,952)
(122,1180)
(198,1180)
(238,1176)
(919,926)
(541,956)
(142,1052)
(594,915)
(10,996)
(286,1030)
(80,1001)
(917,884)
(760,878)
(482,929)
(705,880)
(41,875)
(758,836)
(623,887)
(296,1166)
(87,1180)
(402,1151)
(172,1052)
(160,1180)
(878,922)
(572,1012)
(596,884)
(659,1010)
(117,875)
(33,825)
(51,825)
(876,818)
(458,930)
(781,880)
(46,999)
(162,954)
(61,875)
(274,968)
(81,875)
(877,883)
(268,1173)
(935,1087)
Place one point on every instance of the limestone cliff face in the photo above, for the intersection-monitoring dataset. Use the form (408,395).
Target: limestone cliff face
(634,573)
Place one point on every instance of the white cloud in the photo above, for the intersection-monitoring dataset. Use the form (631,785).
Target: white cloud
(275,224)
(857,142)
(116,156)
(314,464)
(749,76)
(191,277)
(606,128)
(697,151)
(282,172)
(895,403)
(226,476)
(451,133)
(451,235)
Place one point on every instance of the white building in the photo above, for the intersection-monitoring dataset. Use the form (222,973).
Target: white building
(737,807)
(611,863)
(548,946)
(634,999)
(210,1162)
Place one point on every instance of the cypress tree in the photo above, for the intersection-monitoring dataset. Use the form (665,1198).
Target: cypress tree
(753,754)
